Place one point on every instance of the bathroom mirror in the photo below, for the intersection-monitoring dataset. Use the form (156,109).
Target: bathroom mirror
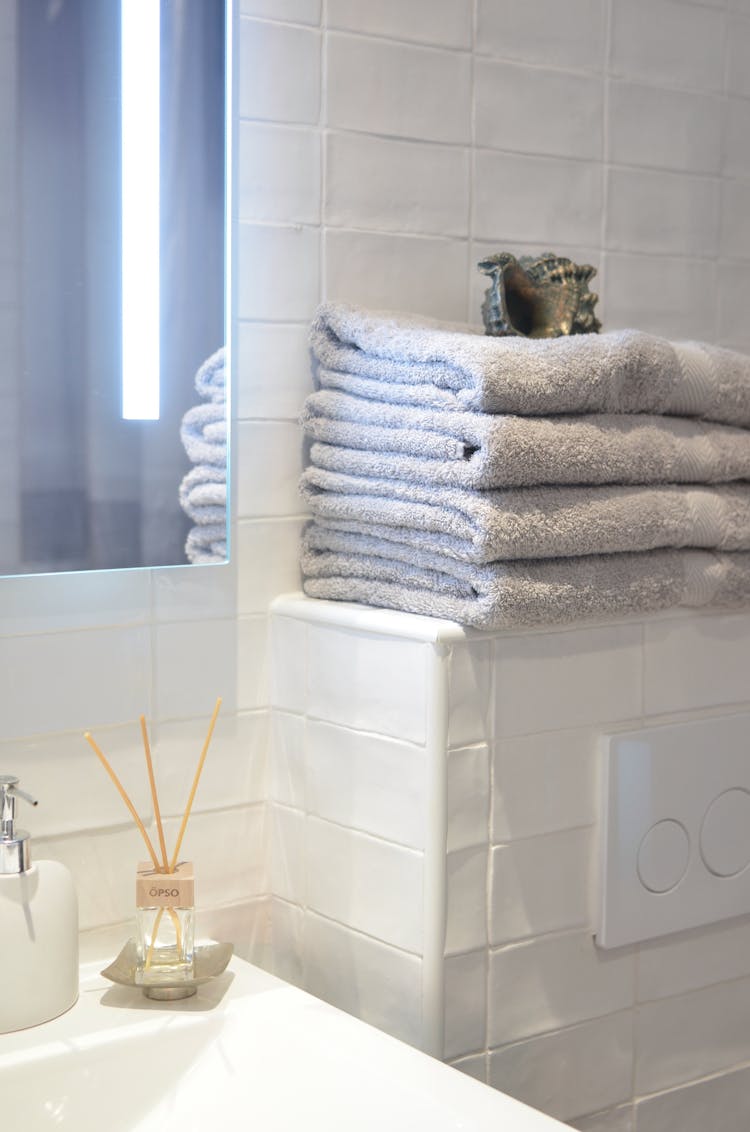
(113,283)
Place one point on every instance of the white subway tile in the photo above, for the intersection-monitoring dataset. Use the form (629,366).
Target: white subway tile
(692,1035)
(443,22)
(287,776)
(544,783)
(669,129)
(287,925)
(278,272)
(542,884)
(369,885)
(381,87)
(368,682)
(284,850)
(672,213)
(539,199)
(364,977)
(694,959)
(466,899)
(244,924)
(668,43)
(75,681)
(289,663)
(579,1070)
(579,677)
(194,663)
(465,1003)
(235,771)
(671,297)
(181,594)
(267,553)
(269,51)
(733,281)
(52,768)
(736,161)
(269,465)
(252,663)
(227,848)
(420,274)
(555,981)
(738,51)
(366,782)
(278,174)
(396,185)
(273,370)
(697,662)
(735,220)
(468,782)
(531,110)
(470,693)
(618,1119)
(717,1102)
(295,11)
(52,602)
(569,35)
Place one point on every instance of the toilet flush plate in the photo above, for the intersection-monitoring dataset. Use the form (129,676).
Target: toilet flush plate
(675,828)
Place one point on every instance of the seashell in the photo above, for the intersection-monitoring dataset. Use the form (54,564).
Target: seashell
(542,297)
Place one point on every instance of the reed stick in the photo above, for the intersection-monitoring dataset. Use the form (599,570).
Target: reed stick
(154,794)
(121,790)
(194,787)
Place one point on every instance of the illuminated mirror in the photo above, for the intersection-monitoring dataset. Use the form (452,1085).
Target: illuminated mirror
(114,378)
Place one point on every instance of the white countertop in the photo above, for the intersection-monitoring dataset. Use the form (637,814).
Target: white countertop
(247,1052)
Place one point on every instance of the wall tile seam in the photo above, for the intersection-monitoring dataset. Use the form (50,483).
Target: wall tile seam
(739,1067)
(563,933)
(310,909)
(283,226)
(359,831)
(667,257)
(276,21)
(332,32)
(472,745)
(358,731)
(682,174)
(580,1023)
(386,229)
(589,827)
(144,621)
(594,71)
(692,992)
(306,124)
(278,324)
(539,936)
(635,78)
(128,826)
(407,139)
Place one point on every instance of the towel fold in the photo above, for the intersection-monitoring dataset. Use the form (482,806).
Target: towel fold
(543,522)
(203,494)
(207,545)
(483,450)
(204,434)
(625,371)
(211,378)
(508,595)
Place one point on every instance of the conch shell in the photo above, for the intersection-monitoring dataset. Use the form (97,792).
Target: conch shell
(542,297)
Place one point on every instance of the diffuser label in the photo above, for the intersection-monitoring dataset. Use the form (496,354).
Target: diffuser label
(165,890)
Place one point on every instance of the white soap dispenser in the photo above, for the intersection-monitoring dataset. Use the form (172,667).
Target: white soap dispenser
(38,926)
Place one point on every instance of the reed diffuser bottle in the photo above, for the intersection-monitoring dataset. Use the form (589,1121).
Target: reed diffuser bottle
(164,891)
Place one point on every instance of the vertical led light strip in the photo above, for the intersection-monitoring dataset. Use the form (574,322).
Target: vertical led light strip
(140,66)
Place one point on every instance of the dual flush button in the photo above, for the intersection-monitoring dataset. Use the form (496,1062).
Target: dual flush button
(675,831)
(723,843)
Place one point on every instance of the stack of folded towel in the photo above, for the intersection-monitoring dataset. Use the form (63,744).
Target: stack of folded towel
(203,491)
(507,482)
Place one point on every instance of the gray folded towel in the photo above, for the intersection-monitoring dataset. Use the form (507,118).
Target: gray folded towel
(207,545)
(203,432)
(203,495)
(342,567)
(624,371)
(541,522)
(483,450)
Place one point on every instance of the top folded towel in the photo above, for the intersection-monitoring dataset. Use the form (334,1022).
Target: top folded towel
(393,357)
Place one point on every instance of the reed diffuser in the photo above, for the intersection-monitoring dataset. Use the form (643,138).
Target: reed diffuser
(165,886)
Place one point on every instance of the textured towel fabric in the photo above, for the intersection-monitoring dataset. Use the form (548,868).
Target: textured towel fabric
(211,378)
(203,494)
(207,545)
(522,594)
(483,450)
(204,434)
(543,522)
(624,371)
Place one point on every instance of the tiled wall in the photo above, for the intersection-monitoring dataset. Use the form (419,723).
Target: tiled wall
(383,149)
(436,851)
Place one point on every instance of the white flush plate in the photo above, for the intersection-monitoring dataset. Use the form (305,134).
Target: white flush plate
(675,829)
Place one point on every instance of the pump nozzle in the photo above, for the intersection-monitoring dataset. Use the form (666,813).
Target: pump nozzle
(15,855)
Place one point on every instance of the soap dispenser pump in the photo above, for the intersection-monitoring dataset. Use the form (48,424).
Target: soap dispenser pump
(38,926)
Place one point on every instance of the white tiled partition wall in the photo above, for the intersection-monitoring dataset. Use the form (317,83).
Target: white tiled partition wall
(436,807)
